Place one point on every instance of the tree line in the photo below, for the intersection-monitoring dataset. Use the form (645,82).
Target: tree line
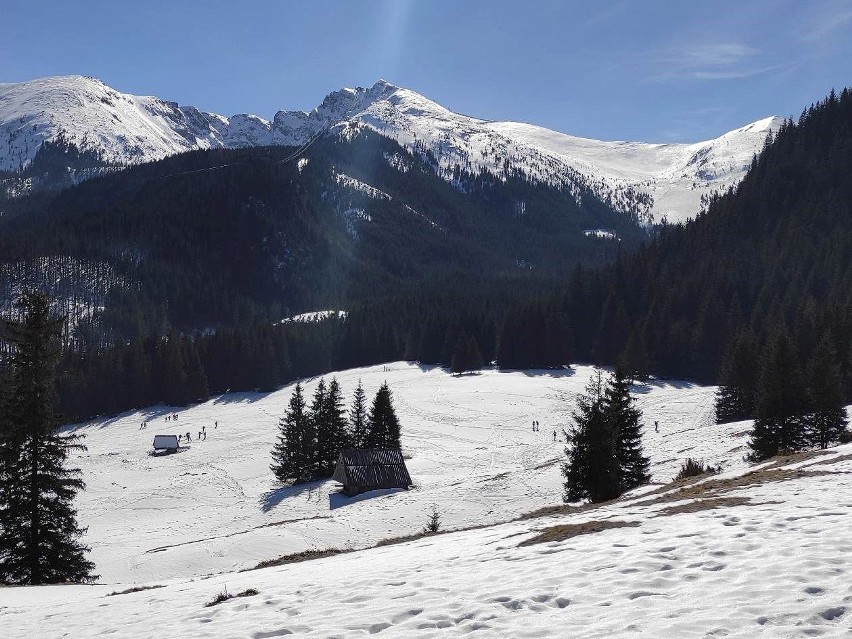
(311,438)
(794,406)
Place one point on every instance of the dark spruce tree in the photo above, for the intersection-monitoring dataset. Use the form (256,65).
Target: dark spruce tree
(318,424)
(634,358)
(780,400)
(591,471)
(39,535)
(358,418)
(383,430)
(826,420)
(624,420)
(737,380)
(331,432)
(466,355)
(292,454)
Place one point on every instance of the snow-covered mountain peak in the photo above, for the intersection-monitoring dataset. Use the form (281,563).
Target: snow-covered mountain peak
(648,180)
(122,128)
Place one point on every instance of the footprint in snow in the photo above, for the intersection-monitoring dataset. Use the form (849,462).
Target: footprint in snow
(832,613)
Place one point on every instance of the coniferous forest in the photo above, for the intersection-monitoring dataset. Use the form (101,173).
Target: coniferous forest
(189,271)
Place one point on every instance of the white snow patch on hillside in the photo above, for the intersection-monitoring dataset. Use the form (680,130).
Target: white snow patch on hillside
(601,233)
(313,316)
(361,187)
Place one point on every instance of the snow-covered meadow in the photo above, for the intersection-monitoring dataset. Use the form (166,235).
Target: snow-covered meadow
(772,562)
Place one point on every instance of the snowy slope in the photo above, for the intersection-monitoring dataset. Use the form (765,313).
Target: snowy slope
(650,180)
(216,506)
(760,555)
(123,128)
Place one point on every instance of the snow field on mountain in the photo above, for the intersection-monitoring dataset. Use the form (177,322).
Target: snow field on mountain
(216,506)
(128,129)
(774,563)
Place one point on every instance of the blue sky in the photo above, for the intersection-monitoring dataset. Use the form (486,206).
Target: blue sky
(653,70)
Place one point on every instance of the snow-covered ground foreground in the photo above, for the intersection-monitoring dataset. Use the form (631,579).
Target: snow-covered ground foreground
(764,556)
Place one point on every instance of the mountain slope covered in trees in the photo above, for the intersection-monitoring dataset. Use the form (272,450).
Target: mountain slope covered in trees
(776,252)
(219,238)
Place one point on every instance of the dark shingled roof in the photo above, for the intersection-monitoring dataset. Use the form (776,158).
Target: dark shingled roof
(360,469)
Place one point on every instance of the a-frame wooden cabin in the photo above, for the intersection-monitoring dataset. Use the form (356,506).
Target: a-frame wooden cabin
(363,469)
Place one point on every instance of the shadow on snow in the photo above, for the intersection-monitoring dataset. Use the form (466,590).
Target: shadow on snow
(338,499)
(271,498)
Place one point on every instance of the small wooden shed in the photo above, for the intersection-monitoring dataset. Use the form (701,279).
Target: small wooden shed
(363,469)
(165,443)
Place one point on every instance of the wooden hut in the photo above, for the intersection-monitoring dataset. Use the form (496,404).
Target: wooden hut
(363,469)
(166,444)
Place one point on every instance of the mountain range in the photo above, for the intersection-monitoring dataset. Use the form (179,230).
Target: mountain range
(648,181)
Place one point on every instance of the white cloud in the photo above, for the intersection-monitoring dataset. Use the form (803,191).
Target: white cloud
(823,23)
(710,61)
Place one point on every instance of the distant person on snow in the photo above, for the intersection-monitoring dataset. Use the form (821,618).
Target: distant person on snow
(554,435)
(188,438)
(656,426)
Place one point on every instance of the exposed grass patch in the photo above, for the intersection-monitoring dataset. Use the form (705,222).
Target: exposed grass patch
(225,596)
(134,589)
(714,487)
(567,531)
(305,555)
(392,541)
(563,509)
(826,462)
(785,459)
(695,468)
(704,504)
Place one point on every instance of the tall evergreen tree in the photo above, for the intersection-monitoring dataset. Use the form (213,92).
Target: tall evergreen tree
(466,355)
(292,459)
(780,400)
(39,535)
(591,471)
(318,424)
(634,358)
(172,373)
(358,418)
(737,380)
(625,421)
(196,380)
(331,433)
(826,419)
(383,426)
